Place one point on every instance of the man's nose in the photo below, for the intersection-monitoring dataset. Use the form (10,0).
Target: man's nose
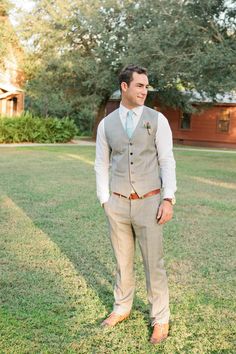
(144,91)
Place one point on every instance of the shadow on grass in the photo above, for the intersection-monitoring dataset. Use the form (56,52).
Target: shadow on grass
(83,239)
(59,198)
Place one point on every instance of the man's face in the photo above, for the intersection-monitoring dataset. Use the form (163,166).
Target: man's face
(135,94)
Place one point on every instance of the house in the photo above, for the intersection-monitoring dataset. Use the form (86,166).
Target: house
(11,99)
(211,126)
(11,75)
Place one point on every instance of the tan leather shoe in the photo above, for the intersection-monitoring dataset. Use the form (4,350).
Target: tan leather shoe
(113,319)
(160,333)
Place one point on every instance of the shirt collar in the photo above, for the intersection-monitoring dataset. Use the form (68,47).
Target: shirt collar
(137,110)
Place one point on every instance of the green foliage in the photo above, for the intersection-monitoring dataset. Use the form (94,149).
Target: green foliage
(4,7)
(184,44)
(6,33)
(188,44)
(28,128)
(75,70)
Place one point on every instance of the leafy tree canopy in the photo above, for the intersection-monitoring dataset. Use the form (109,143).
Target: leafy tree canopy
(188,45)
(6,35)
(77,47)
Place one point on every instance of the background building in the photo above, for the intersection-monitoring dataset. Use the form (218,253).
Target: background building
(11,73)
(213,125)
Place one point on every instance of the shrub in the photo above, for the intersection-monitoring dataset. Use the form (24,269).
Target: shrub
(28,128)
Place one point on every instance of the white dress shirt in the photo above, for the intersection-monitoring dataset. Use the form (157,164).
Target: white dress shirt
(164,146)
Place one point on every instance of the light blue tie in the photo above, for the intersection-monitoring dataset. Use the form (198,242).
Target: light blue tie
(129,124)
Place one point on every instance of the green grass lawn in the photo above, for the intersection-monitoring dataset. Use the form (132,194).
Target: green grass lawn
(57,267)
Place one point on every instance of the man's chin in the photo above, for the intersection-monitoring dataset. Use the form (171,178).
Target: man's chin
(140,102)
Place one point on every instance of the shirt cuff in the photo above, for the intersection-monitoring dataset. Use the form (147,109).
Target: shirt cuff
(168,193)
(104,200)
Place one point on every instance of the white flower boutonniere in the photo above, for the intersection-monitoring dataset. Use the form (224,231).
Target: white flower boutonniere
(147,126)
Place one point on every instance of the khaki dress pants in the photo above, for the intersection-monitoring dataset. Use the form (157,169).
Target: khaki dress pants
(130,220)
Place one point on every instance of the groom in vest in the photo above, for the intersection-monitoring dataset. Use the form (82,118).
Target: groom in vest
(135,143)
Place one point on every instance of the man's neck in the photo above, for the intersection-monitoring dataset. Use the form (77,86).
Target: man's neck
(128,106)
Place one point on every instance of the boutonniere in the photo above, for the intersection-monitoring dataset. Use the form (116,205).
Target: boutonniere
(147,126)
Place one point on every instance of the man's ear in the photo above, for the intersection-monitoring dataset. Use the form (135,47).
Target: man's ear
(124,86)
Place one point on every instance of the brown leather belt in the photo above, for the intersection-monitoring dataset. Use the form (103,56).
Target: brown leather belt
(136,196)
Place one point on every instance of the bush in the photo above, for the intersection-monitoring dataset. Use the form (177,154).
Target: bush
(27,128)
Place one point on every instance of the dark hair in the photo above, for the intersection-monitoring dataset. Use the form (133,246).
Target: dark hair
(126,74)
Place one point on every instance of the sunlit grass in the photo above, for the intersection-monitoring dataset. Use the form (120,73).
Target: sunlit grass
(214,183)
(57,267)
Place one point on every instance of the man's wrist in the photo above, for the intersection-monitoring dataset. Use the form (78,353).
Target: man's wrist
(172,201)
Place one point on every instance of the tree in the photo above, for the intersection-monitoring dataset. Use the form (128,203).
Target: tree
(11,53)
(6,34)
(76,51)
(188,45)
(74,59)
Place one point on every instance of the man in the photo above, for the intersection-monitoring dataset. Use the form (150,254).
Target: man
(137,141)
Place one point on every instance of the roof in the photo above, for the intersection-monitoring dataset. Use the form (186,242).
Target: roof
(8,94)
(228,97)
(116,95)
(6,85)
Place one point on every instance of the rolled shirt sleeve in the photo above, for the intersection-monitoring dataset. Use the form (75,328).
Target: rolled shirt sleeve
(164,145)
(101,166)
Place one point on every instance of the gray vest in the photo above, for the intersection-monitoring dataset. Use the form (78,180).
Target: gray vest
(134,162)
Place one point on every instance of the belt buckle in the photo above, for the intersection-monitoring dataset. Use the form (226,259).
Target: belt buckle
(135,196)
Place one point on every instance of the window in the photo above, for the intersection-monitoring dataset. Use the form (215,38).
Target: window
(223,121)
(14,106)
(185,121)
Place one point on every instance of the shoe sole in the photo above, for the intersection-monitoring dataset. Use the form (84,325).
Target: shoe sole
(105,325)
(159,341)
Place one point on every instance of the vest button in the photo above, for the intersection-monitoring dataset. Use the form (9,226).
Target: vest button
(131,163)
(130,143)
(131,153)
